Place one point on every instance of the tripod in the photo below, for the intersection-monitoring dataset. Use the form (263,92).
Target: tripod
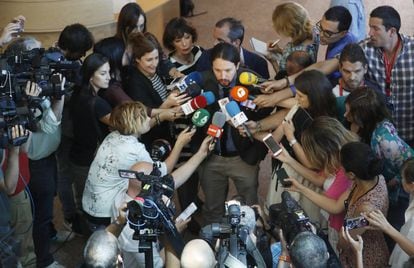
(145,246)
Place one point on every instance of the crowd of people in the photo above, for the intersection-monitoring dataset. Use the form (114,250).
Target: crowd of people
(143,118)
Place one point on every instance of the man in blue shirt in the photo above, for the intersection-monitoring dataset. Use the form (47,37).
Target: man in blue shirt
(334,32)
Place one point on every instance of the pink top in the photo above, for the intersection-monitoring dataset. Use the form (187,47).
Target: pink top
(339,185)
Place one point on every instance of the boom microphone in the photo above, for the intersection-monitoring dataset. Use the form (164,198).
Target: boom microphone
(249,79)
(238,118)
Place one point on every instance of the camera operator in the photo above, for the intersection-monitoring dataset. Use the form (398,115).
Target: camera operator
(8,183)
(307,250)
(43,169)
(129,247)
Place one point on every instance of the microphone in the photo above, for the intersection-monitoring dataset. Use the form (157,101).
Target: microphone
(196,103)
(240,94)
(191,78)
(215,129)
(200,118)
(193,90)
(238,118)
(250,79)
(209,97)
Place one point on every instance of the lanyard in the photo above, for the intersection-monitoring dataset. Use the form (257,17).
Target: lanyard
(388,67)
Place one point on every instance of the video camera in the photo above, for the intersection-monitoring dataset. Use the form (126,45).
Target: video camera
(149,216)
(40,66)
(289,216)
(235,241)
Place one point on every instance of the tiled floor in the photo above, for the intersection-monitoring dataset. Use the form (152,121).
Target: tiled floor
(256,16)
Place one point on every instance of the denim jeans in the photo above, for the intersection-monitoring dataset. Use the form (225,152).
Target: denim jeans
(43,188)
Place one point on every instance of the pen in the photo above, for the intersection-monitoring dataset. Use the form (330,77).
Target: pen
(274,43)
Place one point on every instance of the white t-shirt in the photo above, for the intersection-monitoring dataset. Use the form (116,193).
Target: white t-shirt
(104,183)
(398,256)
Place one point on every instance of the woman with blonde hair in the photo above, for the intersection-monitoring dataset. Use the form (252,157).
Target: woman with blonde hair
(292,20)
(120,150)
(322,142)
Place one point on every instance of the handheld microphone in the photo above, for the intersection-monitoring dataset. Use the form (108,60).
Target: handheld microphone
(200,118)
(250,79)
(238,118)
(191,78)
(196,103)
(193,90)
(209,97)
(215,129)
(240,94)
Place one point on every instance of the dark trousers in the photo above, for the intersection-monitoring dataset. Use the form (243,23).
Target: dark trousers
(214,175)
(42,185)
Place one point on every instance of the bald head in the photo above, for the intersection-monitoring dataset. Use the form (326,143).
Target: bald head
(197,253)
(101,250)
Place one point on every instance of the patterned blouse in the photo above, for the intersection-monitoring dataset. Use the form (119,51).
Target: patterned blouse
(387,145)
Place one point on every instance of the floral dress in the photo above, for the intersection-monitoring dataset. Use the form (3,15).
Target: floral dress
(375,253)
(387,145)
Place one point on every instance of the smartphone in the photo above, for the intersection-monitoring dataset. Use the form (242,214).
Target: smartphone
(187,212)
(272,145)
(282,176)
(357,222)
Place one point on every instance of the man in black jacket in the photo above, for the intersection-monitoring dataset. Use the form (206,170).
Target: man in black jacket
(234,156)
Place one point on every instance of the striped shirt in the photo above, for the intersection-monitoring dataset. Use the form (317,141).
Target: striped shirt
(187,68)
(159,86)
(402,87)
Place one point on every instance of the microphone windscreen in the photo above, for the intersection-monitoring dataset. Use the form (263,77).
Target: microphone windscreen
(198,102)
(209,97)
(239,93)
(248,79)
(194,77)
(249,219)
(219,119)
(232,108)
(200,117)
(193,90)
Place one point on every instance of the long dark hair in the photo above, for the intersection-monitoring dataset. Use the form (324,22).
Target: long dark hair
(127,20)
(366,109)
(317,87)
(358,158)
(92,63)
(113,48)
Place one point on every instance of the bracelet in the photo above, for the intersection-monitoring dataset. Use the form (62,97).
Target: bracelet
(292,142)
(285,258)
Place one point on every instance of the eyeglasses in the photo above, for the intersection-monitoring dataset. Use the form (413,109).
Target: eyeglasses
(324,32)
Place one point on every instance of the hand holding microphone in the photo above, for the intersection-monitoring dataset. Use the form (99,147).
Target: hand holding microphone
(238,118)
(241,95)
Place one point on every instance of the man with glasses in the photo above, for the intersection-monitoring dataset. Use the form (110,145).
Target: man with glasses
(334,32)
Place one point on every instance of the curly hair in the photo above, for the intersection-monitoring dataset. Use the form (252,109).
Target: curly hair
(129,117)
